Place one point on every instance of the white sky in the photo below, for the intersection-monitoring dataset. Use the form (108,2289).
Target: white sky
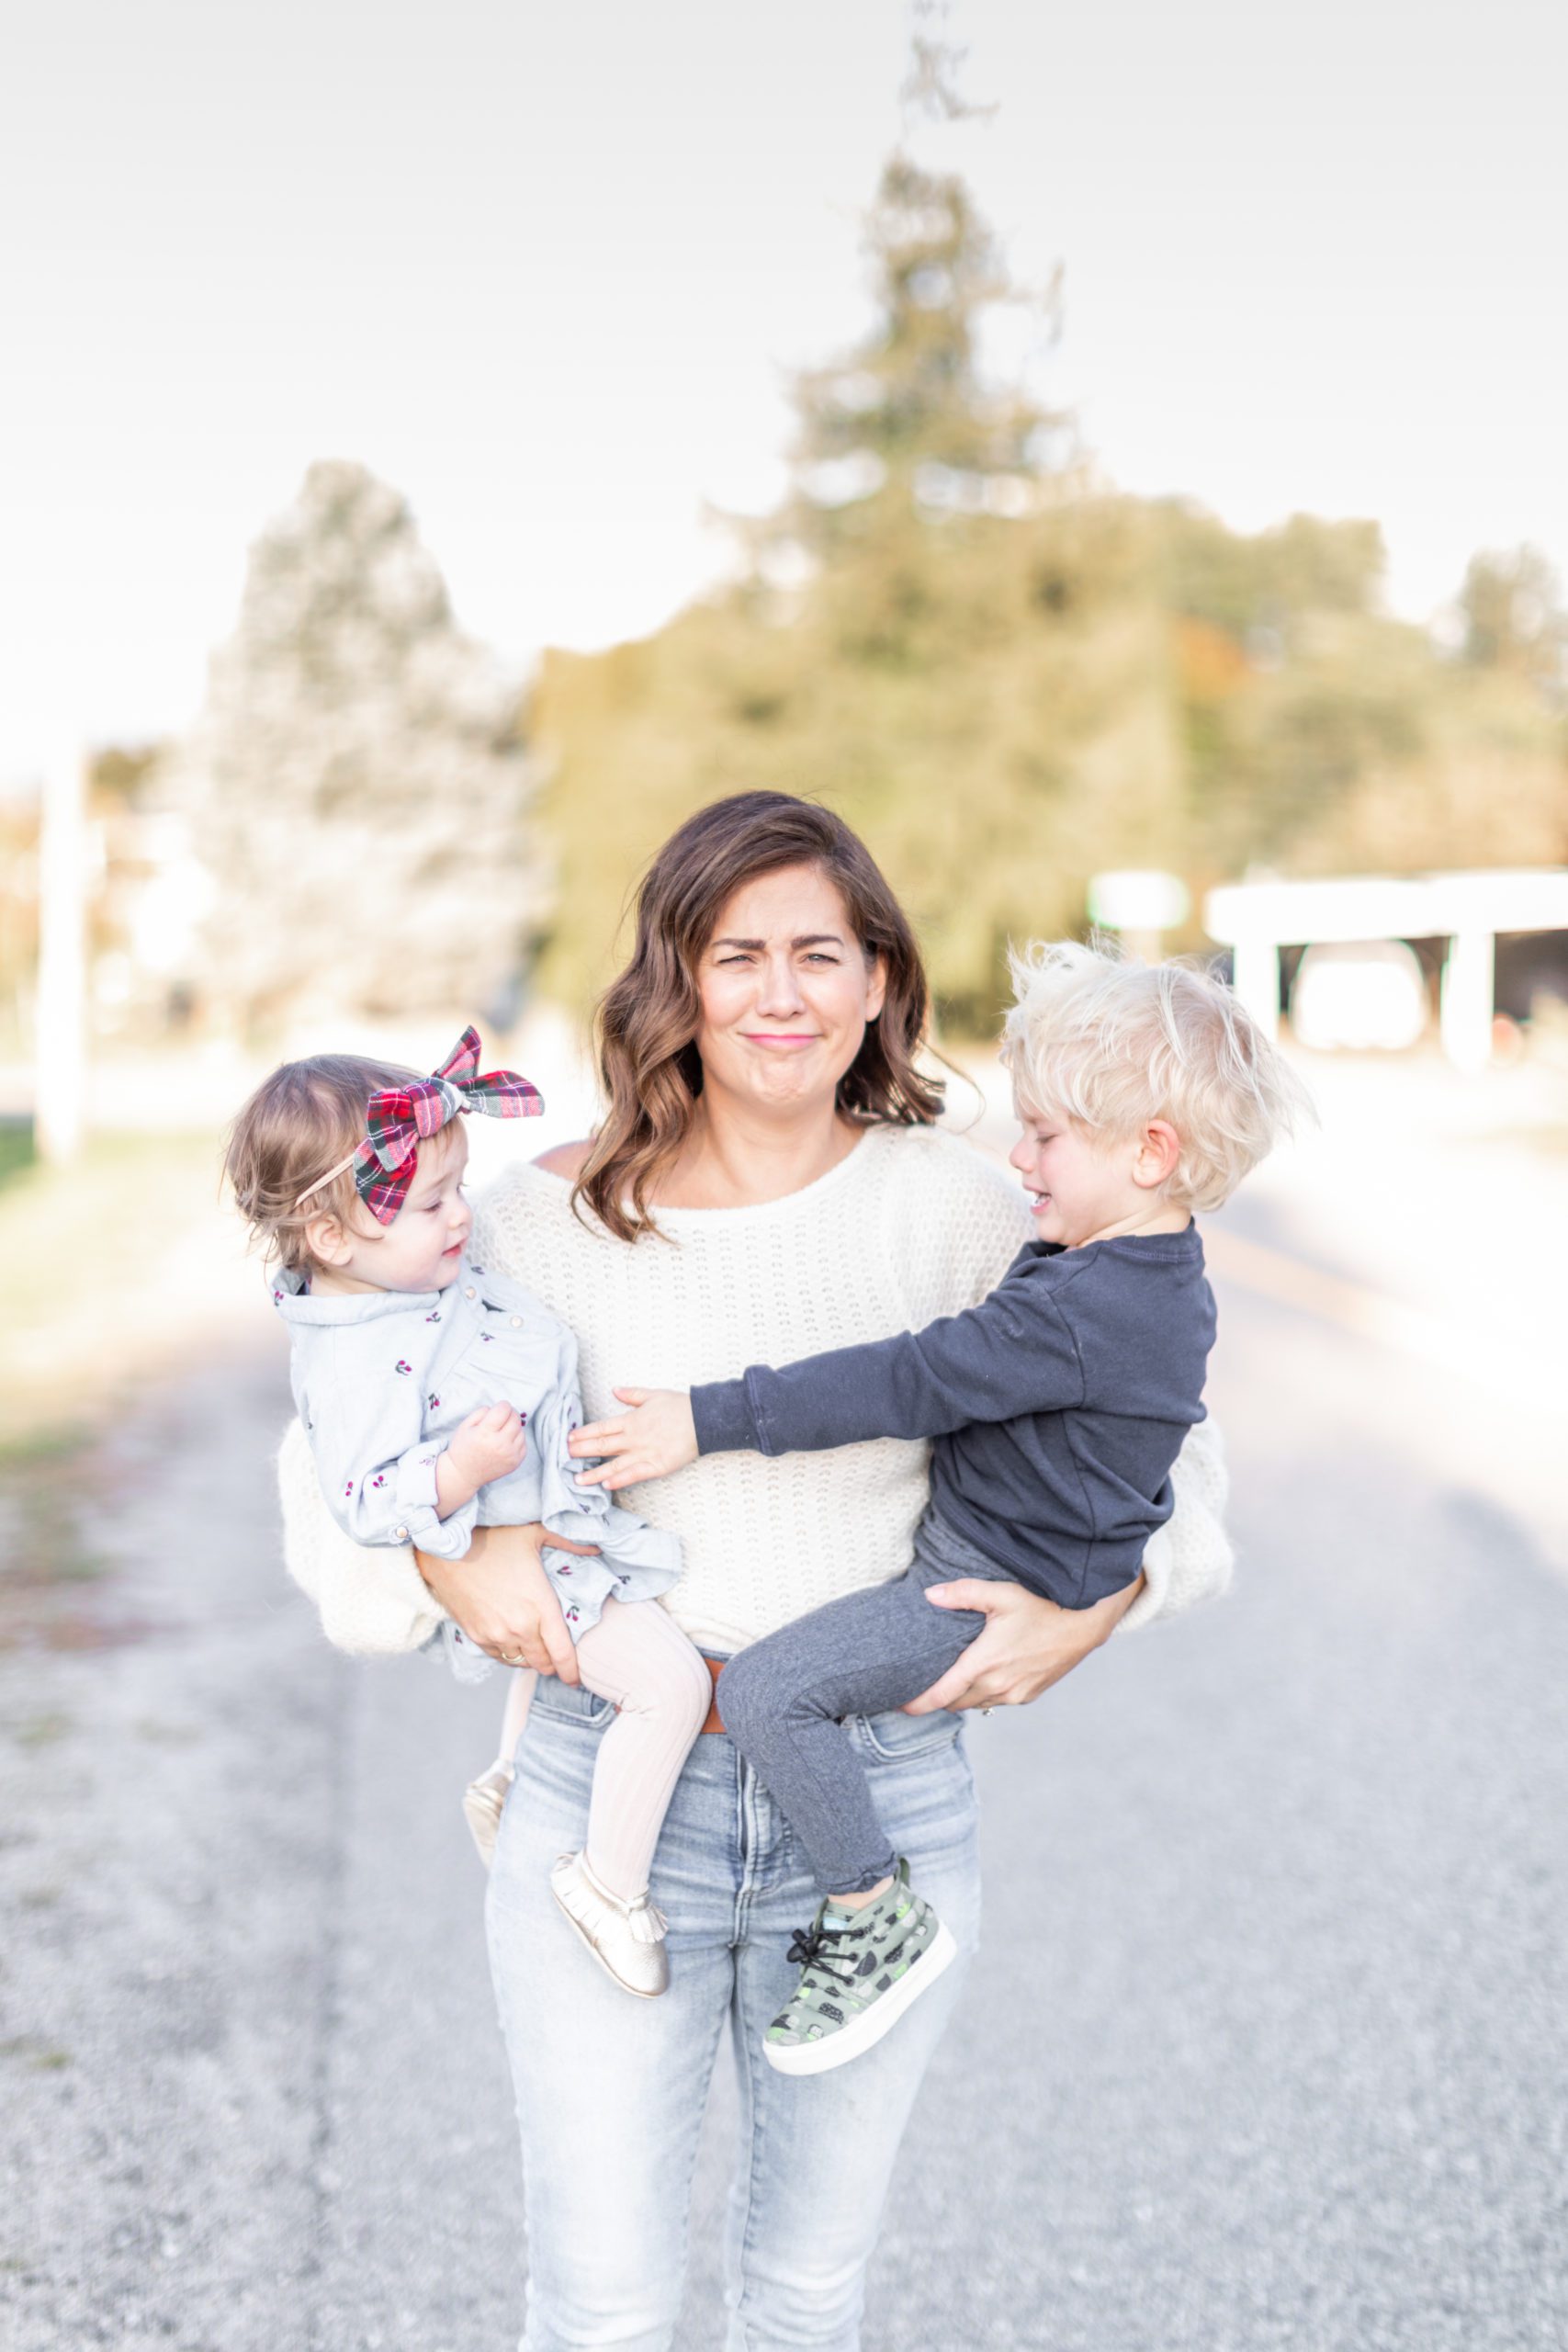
(545,268)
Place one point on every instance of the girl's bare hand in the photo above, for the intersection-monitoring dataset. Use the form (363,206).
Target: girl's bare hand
(490,1444)
(1027,1644)
(653,1437)
(503,1600)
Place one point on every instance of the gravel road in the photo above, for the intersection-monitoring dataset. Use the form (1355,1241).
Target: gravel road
(1266,2049)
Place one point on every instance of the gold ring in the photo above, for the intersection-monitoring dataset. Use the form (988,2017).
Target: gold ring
(512,1658)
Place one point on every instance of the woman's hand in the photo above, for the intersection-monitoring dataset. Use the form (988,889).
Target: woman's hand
(655,1436)
(503,1600)
(1026,1645)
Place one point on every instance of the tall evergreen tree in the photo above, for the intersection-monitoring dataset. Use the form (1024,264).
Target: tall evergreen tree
(907,424)
(940,632)
(357,782)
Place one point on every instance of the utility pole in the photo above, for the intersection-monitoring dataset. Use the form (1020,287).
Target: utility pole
(60,1095)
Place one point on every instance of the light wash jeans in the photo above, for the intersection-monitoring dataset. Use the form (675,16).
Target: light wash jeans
(611,2090)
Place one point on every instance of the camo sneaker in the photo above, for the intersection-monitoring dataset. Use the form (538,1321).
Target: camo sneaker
(860,1971)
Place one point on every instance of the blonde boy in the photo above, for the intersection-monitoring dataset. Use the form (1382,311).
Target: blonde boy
(1056,1406)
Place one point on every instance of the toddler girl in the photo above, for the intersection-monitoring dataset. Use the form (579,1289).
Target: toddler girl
(437,1397)
(1058,1406)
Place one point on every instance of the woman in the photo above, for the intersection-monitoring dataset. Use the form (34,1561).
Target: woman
(767,1182)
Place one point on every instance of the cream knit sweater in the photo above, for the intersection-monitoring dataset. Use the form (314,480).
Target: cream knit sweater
(913,1225)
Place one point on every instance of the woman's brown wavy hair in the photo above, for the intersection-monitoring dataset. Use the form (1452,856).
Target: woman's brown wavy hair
(648,1019)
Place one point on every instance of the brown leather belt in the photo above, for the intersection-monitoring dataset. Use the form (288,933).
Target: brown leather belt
(716,1666)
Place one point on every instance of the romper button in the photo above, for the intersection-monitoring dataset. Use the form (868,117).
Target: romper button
(403,1534)
(469,1291)
(516,1321)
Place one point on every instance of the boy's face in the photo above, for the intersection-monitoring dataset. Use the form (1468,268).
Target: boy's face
(421,1248)
(1081,1187)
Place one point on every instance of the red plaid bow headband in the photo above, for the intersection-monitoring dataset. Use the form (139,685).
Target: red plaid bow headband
(398,1121)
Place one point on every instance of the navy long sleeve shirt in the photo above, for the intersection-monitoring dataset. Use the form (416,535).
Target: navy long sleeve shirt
(1057,1407)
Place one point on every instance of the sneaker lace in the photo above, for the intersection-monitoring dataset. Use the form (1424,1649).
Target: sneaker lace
(810,1948)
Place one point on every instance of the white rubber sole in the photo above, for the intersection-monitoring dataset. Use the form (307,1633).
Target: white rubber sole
(850,2040)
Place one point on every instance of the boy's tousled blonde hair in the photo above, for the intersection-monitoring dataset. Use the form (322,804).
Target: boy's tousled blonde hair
(300,1122)
(1111,1044)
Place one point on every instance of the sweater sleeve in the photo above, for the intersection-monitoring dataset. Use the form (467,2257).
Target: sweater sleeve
(1012,1355)
(371,1599)
(1190,1559)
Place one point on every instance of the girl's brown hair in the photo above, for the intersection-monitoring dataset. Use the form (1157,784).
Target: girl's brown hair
(648,1066)
(299,1122)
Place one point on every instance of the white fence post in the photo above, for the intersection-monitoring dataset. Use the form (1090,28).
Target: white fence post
(1468,997)
(59,1097)
(1256,981)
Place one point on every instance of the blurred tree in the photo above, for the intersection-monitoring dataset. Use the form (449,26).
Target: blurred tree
(120,772)
(1322,736)
(906,426)
(1010,677)
(942,632)
(930,91)
(357,782)
(1512,609)
(1256,588)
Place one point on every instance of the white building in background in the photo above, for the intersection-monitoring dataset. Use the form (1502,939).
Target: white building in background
(1468,910)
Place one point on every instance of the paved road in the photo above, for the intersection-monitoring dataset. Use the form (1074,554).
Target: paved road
(1266,2047)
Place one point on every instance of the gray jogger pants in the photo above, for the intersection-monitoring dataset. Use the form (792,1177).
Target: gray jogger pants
(785,1697)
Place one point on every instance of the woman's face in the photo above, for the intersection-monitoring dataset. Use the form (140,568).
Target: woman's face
(786,991)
